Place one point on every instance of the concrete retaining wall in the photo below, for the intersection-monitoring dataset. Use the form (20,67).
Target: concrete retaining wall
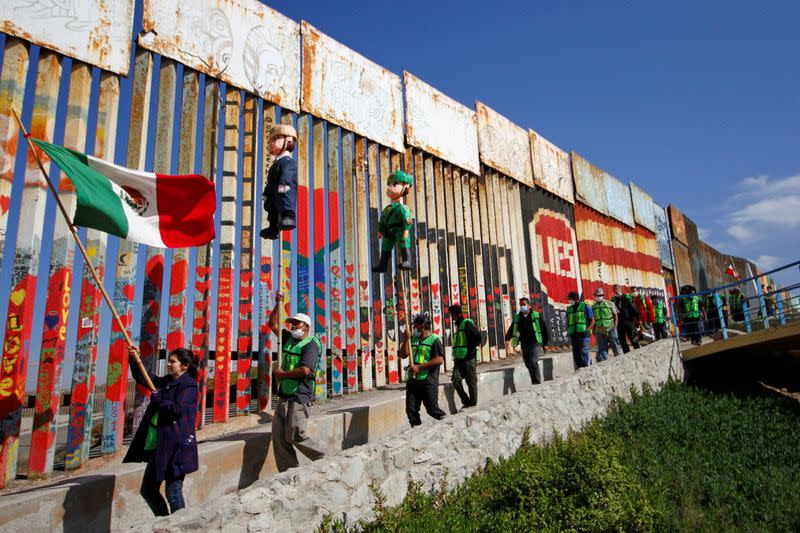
(297,500)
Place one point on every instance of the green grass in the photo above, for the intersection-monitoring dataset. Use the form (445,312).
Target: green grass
(681,459)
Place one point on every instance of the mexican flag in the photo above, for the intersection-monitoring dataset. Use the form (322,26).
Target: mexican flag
(731,270)
(153,209)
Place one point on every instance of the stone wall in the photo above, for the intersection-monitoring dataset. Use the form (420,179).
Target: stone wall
(339,485)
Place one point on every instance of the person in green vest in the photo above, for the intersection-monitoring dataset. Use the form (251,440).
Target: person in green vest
(530,331)
(689,313)
(660,318)
(580,321)
(427,355)
(300,356)
(737,305)
(465,361)
(605,325)
(394,226)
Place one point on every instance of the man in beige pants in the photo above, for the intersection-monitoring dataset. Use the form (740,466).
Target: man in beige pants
(295,377)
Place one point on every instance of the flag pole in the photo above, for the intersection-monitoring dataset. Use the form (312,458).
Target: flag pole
(85,255)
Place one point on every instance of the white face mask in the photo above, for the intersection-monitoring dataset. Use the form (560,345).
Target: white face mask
(523,309)
(297,333)
(599,298)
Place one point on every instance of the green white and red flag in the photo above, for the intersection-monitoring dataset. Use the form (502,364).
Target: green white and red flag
(731,270)
(153,209)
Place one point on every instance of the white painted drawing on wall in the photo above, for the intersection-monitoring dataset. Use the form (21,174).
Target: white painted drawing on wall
(504,146)
(441,126)
(351,91)
(97,32)
(551,167)
(242,42)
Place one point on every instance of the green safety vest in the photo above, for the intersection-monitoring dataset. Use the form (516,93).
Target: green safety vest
(737,302)
(537,331)
(691,307)
(661,312)
(422,352)
(292,350)
(576,318)
(604,316)
(460,342)
(151,440)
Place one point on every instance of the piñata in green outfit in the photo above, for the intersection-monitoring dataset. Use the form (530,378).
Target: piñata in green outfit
(394,226)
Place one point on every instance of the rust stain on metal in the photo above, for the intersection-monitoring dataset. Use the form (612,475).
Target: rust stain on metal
(678,224)
(551,167)
(347,89)
(589,184)
(246,44)
(439,125)
(504,146)
(97,33)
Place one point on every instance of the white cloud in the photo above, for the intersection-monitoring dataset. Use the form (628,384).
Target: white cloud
(703,233)
(765,210)
(767,262)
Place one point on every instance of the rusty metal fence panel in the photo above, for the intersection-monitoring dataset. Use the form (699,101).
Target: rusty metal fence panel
(678,225)
(618,198)
(590,187)
(347,89)
(663,236)
(504,146)
(551,167)
(98,33)
(643,208)
(243,43)
(439,125)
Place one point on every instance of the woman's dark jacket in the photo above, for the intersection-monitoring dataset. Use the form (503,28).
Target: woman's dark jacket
(176,443)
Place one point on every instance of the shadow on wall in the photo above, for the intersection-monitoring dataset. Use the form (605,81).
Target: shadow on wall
(357,432)
(254,455)
(87,506)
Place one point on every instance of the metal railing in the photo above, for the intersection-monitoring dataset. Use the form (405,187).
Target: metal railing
(745,305)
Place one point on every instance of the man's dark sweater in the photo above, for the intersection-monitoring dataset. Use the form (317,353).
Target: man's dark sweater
(527,336)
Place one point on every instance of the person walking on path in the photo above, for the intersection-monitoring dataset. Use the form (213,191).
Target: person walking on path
(300,356)
(605,326)
(422,386)
(627,319)
(660,322)
(465,362)
(580,321)
(530,331)
(165,438)
(690,315)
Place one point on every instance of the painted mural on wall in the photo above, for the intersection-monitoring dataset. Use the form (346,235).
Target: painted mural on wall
(504,145)
(613,253)
(96,32)
(552,169)
(244,43)
(551,248)
(349,90)
(441,126)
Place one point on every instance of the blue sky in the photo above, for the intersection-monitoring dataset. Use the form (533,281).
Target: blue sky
(696,102)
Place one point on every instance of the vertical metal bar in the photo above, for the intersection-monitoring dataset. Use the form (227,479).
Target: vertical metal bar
(504,242)
(489,266)
(422,236)
(19,318)
(747,326)
(179,274)
(227,239)
(779,301)
(762,305)
(205,254)
(59,287)
(362,217)
(459,213)
(411,300)
(376,282)
(433,249)
(523,289)
(722,323)
(127,259)
(265,276)
(81,407)
(320,259)
(497,265)
(472,189)
(244,343)
(12,91)
(440,314)
(350,262)
(303,171)
(448,258)
(154,263)
(285,258)
(336,316)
